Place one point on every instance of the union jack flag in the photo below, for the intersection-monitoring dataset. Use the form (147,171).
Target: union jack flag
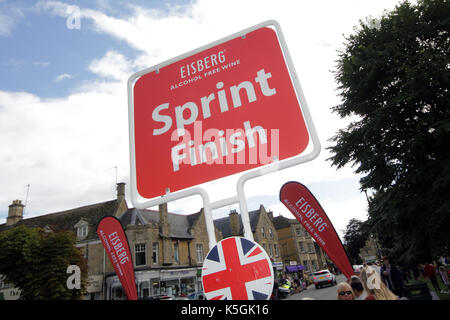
(237,269)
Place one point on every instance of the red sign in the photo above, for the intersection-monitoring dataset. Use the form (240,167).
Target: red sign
(110,231)
(227,109)
(237,269)
(307,210)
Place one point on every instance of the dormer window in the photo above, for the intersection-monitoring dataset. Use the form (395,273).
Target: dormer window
(82,232)
(82,228)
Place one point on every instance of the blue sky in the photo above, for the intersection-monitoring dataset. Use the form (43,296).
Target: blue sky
(39,47)
(63,94)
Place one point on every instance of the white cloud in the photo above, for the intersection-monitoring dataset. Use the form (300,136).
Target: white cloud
(10,15)
(6,24)
(42,64)
(113,65)
(63,76)
(66,148)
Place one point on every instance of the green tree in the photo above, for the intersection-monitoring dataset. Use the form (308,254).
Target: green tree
(393,76)
(36,262)
(354,239)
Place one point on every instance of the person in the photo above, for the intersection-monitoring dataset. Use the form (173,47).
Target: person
(429,271)
(415,272)
(392,277)
(358,289)
(375,288)
(297,285)
(345,291)
(445,280)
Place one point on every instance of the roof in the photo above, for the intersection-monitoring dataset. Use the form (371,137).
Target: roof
(223,224)
(281,222)
(66,220)
(180,224)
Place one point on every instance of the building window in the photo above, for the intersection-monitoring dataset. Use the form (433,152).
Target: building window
(199,250)
(155,252)
(263,232)
(284,249)
(176,254)
(298,231)
(301,244)
(270,233)
(140,254)
(2,283)
(311,248)
(275,248)
(306,264)
(270,250)
(82,232)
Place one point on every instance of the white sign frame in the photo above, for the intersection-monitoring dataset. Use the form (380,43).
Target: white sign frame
(141,203)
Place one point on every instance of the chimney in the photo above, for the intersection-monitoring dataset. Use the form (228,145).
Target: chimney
(15,213)
(120,191)
(164,231)
(270,214)
(164,227)
(234,222)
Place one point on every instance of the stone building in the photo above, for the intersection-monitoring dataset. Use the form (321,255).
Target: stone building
(369,253)
(299,251)
(167,249)
(263,229)
(83,222)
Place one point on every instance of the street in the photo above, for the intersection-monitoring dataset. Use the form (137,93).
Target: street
(324,293)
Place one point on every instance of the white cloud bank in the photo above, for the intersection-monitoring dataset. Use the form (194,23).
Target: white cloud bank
(67,148)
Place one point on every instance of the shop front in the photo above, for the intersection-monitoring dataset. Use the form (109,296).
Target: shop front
(296,273)
(178,283)
(277,269)
(94,287)
(156,282)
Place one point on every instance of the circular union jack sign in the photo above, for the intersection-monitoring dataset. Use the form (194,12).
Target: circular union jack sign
(237,269)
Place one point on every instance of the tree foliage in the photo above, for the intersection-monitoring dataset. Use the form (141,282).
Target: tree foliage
(354,239)
(393,77)
(36,263)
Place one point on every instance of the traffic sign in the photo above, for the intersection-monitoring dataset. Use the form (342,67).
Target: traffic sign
(237,269)
(225,108)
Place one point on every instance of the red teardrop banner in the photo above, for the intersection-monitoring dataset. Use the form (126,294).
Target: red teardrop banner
(114,239)
(307,210)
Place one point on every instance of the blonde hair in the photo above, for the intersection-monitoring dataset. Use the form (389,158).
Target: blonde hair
(373,285)
(344,286)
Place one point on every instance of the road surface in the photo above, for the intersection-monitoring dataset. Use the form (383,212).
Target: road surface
(324,293)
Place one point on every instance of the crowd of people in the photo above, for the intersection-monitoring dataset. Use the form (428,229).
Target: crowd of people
(386,281)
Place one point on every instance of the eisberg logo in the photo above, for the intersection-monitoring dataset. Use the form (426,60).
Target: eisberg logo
(202,64)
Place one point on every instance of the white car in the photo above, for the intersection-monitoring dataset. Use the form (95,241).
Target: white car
(323,278)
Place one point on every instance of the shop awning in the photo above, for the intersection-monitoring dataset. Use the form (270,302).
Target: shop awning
(295,268)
